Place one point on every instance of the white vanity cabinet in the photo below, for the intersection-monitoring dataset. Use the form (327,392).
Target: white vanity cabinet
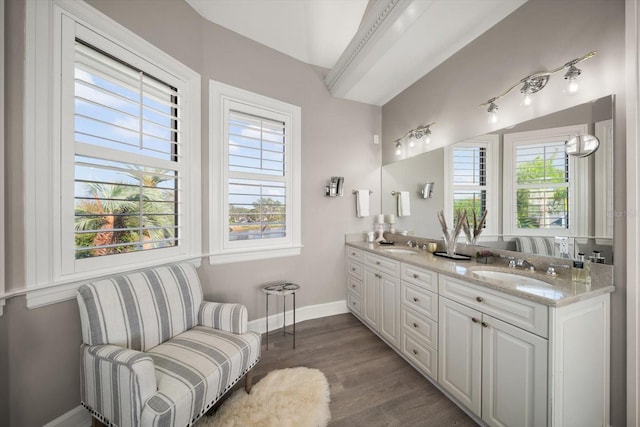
(515,362)
(508,360)
(355,278)
(381,296)
(419,318)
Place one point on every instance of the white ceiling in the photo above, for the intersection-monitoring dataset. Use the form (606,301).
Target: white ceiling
(372,57)
(313,31)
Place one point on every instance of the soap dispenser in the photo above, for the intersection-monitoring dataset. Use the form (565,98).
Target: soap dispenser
(581,270)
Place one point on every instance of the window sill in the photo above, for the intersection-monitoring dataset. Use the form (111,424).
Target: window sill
(244,255)
(54,293)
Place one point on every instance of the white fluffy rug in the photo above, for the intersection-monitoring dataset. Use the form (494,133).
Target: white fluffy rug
(294,397)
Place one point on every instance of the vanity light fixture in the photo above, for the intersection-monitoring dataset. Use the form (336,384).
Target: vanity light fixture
(536,82)
(398,147)
(422,131)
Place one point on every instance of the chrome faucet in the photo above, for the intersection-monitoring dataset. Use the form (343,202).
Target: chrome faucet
(551,270)
(512,262)
(521,262)
(412,243)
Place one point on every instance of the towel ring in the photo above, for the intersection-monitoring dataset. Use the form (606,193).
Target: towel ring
(395,193)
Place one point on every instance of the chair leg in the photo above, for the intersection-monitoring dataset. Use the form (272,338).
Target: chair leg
(248,381)
(97,423)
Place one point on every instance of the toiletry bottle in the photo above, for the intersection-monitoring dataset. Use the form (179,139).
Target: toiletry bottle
(581,271)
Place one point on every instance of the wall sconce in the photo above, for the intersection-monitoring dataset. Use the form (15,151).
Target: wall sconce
(422,131)
(335,187)
(426,190)
(536,82)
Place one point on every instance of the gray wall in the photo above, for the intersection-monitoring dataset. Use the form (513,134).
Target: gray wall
(337,140)
(541,34)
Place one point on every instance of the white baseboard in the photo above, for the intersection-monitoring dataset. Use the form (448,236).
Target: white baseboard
(77,417)
(303,313)
(80,417)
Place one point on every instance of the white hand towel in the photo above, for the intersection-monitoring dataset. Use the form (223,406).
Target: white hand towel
(362,203)
(404,204)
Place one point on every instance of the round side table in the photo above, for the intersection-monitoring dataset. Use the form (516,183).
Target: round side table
(282,289)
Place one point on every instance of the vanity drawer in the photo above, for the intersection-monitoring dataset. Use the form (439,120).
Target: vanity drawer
(354,302)
(382,264)
(354,254)
(355,269)
(421,326)
(419,276)
(528,315)
(423,356)
(354,284)
(421,300)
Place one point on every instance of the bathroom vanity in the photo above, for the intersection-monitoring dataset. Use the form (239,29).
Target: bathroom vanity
(509,346)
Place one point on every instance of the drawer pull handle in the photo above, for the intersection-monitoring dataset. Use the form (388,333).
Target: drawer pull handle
(377,262)
(353,286)
(474,320)
(484,324)
(479,299)
(416,299)
(353,269)
(415,352)
(353,253)
(415,325)
(415,276)
(353,303)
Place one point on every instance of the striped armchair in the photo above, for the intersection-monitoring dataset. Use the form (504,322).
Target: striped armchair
(154,353)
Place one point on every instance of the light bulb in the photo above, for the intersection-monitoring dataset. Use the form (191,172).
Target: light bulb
(493,112)
(527,100)
(493,117)
(573,86)
(398,149)
(572,76)
(412,143)
(427,139)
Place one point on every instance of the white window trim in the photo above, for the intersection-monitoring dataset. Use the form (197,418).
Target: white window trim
(604,214)
(492,143)
(42,146)
(579,214)
(220,95)
(2,156)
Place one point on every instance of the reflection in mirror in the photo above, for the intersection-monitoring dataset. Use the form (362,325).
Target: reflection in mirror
(563,208)
(582,145)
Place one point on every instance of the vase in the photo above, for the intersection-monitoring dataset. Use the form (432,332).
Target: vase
(450,240)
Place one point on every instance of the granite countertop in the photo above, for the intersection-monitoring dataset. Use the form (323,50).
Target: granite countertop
(560,291)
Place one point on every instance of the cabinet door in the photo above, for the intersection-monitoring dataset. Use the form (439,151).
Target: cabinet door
(460,353)
(371,297)
(389,320)
(514,375)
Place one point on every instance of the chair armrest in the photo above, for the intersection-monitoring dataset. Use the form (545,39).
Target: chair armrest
(116,382)
(226,317)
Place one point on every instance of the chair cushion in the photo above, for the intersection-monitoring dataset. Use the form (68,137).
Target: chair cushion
(142,309)
(194,369)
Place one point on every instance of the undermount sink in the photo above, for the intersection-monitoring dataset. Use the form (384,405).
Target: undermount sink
(521,283)
(509,278)
(399,251)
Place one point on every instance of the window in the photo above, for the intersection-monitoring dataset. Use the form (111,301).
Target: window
(121,112)
(116,146)
(471,181)
(541,181)
(255,146)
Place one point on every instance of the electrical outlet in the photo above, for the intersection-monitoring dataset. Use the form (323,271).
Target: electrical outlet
(563,246)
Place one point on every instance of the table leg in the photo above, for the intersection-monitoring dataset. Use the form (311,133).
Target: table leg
(284,315)
(267,319)
(294,320)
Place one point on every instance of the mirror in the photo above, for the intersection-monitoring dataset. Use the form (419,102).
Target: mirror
(592,201)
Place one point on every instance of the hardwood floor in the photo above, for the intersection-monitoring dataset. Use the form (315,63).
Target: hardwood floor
(370,384)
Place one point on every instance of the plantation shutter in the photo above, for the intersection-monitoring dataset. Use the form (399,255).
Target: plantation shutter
(470,178)
(257,177)
(542,185)
(128,166)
